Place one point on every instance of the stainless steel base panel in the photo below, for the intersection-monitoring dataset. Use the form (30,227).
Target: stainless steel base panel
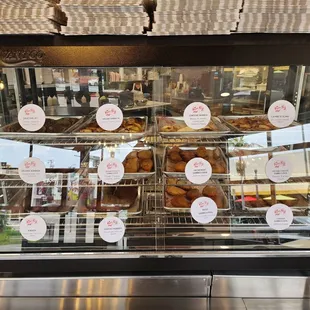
(104,303)
(134,286)
(151,303)
(260,286)
(277,304)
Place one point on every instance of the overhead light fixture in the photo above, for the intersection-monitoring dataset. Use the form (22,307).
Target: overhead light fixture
(225,94)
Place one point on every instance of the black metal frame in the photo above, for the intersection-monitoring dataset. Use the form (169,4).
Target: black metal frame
(235,49)
(151,265)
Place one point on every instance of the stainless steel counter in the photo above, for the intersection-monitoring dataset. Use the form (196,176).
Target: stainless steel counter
(234,292)
(151,303)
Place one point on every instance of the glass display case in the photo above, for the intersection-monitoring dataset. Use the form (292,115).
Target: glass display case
(52,119)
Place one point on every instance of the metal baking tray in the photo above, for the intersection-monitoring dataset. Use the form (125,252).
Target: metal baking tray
(110,136)
(38,135)
(134,209)
(186,210)
(222,130)
(236,129)
(141,175)
(182,174)
(136,175)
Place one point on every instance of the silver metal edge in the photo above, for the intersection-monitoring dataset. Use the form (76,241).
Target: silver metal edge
(121,255)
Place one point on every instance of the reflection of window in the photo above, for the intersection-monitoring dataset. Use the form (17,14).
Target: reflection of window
(13,153)
(119,152)
(56,157)
(287,136)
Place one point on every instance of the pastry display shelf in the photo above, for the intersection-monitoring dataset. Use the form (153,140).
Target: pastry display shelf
(65,140)
(232,218)
(18,183)
(168,141)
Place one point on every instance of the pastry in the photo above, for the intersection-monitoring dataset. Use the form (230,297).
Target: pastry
(174,149)
(209,191)
(145,154)
(193,194)
(209,154)
(251,123)
(180,166)
(134,125)
(183,184)
(175,157)
(175,191)
(167,129)
(146,165)
(132,154)
(171,181)
(219,200)
(218,168)
(131,165)
(213,155)
(180,202)
(202,152)
(187,155)
(186,129)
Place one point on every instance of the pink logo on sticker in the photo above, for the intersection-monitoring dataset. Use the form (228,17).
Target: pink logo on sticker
(198,109)
(30,111)
(110,112)
(203,204)
(198,164)
(279,108)
(279,211)
(112,223)
(29,164)
(32,221)
(112,165)
(279,164)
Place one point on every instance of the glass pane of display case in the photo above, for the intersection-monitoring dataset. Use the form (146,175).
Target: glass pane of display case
(237,180)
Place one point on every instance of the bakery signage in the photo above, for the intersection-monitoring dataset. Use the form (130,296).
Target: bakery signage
(281,113)
(111,229)
(33,227)
(21,57)
(279,169)
(109,117)
(279,216)
(32,170)
(198,170)
(197,115)
(31,117)
(204,210)
(111,171)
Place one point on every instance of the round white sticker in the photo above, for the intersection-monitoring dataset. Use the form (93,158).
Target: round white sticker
(111,229)
(32,227)
(31,117)
(197,115)
(32,170)
(204,210)
(198,170)
(109,117)
(281,114)
(279,216)
(111,171)
(279,169)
